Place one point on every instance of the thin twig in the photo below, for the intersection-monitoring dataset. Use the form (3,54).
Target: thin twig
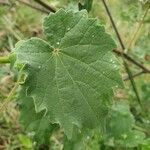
(129,58)
(34,7)
(9,26)
(141,129)
(45,5)
(113,24)
(138,28)
(10,95)
(134,75)
(123,48)
(4,59)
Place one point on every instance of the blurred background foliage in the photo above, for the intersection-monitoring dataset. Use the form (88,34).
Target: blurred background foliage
(128,125)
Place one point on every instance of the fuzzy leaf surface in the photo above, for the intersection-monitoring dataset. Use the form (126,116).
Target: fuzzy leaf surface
(72,73)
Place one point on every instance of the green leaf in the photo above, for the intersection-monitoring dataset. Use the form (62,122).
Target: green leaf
(72,74)
(36,123)
(133,139)
(76,143)
(146,144)
(119,121)
(25,141)
(119,127)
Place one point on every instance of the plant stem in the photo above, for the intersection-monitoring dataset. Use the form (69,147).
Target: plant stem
(34,7)
(113,24)
(133,39)
(48,7)
(135,75)
(9,26)
(4,59)
(123,48)
(10,95)
(141,129)
(129,58)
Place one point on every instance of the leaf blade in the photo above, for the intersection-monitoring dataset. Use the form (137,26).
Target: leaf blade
(72,80)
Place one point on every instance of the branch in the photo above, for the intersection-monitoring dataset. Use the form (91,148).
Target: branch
(123,48)
(34,7)
(129,58)
(113,24)
(48,7)
(135,75)
(4,59)
(13,90)
(141,129)
(138,28)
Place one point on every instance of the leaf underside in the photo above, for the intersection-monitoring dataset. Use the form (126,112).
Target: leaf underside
(71,74)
